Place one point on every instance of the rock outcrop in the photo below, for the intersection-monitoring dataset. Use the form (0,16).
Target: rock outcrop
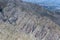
(25,21)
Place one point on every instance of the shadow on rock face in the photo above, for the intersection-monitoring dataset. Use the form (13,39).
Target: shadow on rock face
(7,10)
(3,4)
(1,9)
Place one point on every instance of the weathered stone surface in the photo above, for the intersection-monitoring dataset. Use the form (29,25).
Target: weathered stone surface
(26,21)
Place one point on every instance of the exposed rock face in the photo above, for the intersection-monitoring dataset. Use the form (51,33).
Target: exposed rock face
(26,21)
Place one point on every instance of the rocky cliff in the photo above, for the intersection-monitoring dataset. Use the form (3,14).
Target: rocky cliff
(25,21)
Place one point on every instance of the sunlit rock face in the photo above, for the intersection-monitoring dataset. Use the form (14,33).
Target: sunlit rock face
(26,21)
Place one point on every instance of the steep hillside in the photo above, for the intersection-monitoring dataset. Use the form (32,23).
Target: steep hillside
(25,21)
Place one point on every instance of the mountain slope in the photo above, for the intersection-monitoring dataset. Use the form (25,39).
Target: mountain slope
(26,21)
